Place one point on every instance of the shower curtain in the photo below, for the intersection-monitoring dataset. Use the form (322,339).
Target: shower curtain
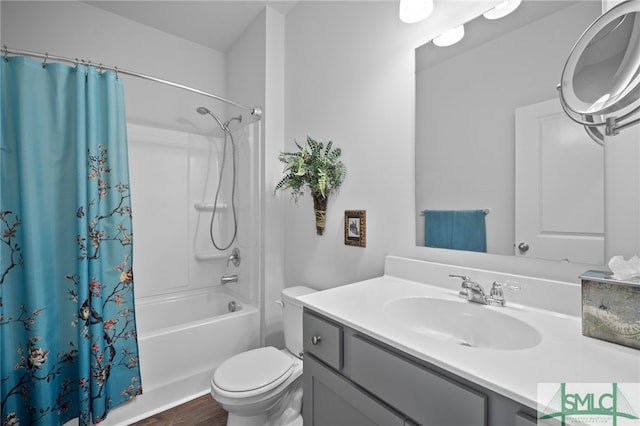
(68,344)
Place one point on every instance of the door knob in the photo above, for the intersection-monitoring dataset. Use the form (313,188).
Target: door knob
(316,339)
(523,247)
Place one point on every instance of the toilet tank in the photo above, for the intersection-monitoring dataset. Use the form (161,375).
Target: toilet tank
(292,317)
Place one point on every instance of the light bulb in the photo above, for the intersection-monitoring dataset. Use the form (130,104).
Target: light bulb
(502,9)
(412,11)
(450,37)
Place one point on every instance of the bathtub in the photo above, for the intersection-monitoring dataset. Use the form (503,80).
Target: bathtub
(182,339)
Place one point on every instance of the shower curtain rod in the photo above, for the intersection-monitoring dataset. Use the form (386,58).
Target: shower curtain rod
(256,112)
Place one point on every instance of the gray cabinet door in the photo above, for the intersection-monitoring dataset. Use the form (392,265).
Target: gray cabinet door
(331,400)
(524,419)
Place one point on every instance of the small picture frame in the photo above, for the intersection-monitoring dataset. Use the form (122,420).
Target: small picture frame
(355,228)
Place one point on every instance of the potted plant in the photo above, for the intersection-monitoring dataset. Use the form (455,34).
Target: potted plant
(315,168)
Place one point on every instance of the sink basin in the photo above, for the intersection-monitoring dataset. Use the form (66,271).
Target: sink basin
(462,323)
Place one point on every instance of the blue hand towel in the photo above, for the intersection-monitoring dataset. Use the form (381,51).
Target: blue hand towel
(456,229)
(438,228)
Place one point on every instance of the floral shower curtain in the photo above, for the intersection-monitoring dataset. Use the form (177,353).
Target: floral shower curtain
(68,344)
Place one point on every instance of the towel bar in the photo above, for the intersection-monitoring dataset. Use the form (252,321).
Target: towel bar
(486,212)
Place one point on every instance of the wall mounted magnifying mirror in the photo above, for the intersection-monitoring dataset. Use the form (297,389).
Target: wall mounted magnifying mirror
(600,85)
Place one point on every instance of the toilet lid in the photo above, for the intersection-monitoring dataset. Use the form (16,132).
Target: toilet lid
(259,368)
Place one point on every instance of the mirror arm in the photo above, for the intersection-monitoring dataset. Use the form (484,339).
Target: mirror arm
(612,124)
(625,125)
(617,125)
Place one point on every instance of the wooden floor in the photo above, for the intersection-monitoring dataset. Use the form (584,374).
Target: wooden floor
(203,411)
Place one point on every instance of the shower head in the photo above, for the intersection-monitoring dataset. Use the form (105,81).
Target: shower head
(202,110)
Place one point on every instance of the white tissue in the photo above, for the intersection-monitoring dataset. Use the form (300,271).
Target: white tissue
(624,269)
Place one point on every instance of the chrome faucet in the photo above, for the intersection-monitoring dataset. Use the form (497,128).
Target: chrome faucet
(471,290)
(226,279)
(474,292)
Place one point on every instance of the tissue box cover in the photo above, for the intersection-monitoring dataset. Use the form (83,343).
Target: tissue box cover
(611,308)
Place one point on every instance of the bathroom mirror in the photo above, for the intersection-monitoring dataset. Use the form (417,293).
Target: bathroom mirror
(600,85)
(467,97)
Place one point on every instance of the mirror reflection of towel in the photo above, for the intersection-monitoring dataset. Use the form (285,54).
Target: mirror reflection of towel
(455,229)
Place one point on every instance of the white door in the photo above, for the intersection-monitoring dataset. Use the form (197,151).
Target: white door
(559,187)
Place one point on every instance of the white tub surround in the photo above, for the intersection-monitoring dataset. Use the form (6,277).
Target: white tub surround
(563,355)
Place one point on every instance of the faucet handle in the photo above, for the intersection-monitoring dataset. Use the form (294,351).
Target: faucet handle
(234,257)
(499,284)
(464,293)
(462,277)
(496,295)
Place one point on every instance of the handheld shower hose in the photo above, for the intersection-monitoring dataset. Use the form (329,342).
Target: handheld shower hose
(227,135)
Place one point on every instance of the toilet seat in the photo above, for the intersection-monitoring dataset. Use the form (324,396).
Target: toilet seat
(253,372)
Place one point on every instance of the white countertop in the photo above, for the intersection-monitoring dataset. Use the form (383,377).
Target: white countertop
(564,355)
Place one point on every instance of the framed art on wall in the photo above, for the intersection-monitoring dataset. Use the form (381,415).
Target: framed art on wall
(355,228)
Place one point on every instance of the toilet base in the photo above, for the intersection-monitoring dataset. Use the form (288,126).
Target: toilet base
(286,412)
(261,420)
(235,419)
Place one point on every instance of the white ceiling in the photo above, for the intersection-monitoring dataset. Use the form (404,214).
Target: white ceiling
(216,24)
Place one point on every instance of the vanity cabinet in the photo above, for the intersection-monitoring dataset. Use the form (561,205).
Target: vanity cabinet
(352,379)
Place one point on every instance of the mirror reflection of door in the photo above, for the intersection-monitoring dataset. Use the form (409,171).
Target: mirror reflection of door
(559,187)
(466,96)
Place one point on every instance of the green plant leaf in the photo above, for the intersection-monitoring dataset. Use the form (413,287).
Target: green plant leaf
(314,168)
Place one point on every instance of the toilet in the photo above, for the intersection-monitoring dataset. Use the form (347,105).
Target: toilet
(264,386)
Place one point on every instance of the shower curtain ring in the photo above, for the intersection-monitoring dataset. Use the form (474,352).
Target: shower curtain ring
(86,66)
(100,69)
(6,53)
(116,69)
(44,63)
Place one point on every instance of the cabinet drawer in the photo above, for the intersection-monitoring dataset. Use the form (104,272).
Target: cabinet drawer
(421,394)
(323,339)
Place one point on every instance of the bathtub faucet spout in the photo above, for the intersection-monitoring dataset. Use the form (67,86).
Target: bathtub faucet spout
(226,279)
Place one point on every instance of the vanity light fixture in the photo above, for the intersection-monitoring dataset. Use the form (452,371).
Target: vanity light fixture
(502,9)
(450,37)
(412,11)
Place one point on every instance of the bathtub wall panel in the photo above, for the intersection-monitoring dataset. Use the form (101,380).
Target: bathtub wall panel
(171,171)
(158,207)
